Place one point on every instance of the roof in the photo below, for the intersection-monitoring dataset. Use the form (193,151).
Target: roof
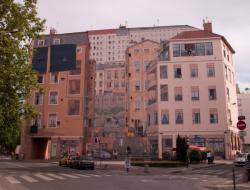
(105,31)
(201,34)
(141,42)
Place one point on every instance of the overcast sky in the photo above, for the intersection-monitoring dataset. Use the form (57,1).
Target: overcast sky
(230,18)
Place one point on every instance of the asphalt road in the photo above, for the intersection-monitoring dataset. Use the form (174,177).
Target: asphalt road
(47,176)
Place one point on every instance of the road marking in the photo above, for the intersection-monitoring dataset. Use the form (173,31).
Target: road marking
(12,180)
(204,180)
(28,178)
(69,175)
(17,165)
(55,176)
(147,180)
(82,175)
(94,175)
(43,177)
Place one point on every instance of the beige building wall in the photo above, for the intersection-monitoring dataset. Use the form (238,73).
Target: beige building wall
(244,110)
(138,58)
(66,132)
(222,135)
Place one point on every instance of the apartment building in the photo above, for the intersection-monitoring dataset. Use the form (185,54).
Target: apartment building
(138,58)
(109,46)
(243,102)
(65,101)
(192,93)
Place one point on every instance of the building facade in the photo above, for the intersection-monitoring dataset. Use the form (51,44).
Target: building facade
(138,58)
(244,110)
(192,93)
(64,102)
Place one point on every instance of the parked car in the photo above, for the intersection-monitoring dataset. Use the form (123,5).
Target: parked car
(72,162)
(241,159)
(64,160)
(102,154)
(86,162)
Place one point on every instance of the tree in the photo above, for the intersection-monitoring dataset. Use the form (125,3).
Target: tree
(181,148)
(19,24)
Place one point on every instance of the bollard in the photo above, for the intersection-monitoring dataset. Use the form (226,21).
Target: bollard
(146,168)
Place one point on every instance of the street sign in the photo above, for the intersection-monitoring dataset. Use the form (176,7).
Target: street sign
(242,133)
(241,117)
(241,125)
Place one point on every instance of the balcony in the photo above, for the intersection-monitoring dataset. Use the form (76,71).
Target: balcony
(152,101)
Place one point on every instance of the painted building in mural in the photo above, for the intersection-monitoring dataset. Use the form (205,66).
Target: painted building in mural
(66,99)
(192,93)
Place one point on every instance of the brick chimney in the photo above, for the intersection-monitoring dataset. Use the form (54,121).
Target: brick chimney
(52,31)
(207,26)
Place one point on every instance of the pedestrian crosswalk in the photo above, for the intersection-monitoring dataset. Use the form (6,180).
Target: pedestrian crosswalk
(50,176)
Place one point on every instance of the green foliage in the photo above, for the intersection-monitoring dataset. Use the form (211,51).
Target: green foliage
(181,149)
(195,155)
(19,24)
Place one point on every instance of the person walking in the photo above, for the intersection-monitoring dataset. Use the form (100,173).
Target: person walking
(247,166)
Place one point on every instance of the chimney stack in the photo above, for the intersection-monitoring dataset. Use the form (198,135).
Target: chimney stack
(207,26)
(52,31)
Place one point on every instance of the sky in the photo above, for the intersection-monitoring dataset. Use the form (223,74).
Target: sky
(230,18)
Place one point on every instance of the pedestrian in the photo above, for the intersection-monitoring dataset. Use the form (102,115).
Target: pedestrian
(115,154)
(209,156)
(127,164)
(247,166)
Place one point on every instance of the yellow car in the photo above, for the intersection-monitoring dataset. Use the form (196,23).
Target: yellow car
(64,161)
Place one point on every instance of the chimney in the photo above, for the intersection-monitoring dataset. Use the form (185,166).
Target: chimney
(207,26)
(52,31)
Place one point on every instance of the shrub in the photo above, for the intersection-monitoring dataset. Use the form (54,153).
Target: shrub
(166,155)
(195,155)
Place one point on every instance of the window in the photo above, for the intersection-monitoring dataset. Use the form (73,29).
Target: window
(196,116)
(77,71)
(209,48)
(164,117)
(213,115)
(226,72)
(137,104)
(78,50)
(100,75)
(193,49)
(116,74)
(56,41)
(230,77)
(41,42)
(146,63)
(164,92)
(53,97)
(137,66)
(116,84)
(228,94)
(123,83)
(146,50)
(74,87)
(137,85)
(52,120)
(109,75)
(136,50)
(155,118)
(163,72)
(109,84)
(177,72)
(179,116)
(210,70)
(100,84)
(54,78)
(195,93)
(40,79)
(178,93)
(123,74)
(74,107)
(37,122)
(212,93)
(193,71)
(38,98)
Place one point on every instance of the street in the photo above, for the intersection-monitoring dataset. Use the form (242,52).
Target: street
(17,175)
